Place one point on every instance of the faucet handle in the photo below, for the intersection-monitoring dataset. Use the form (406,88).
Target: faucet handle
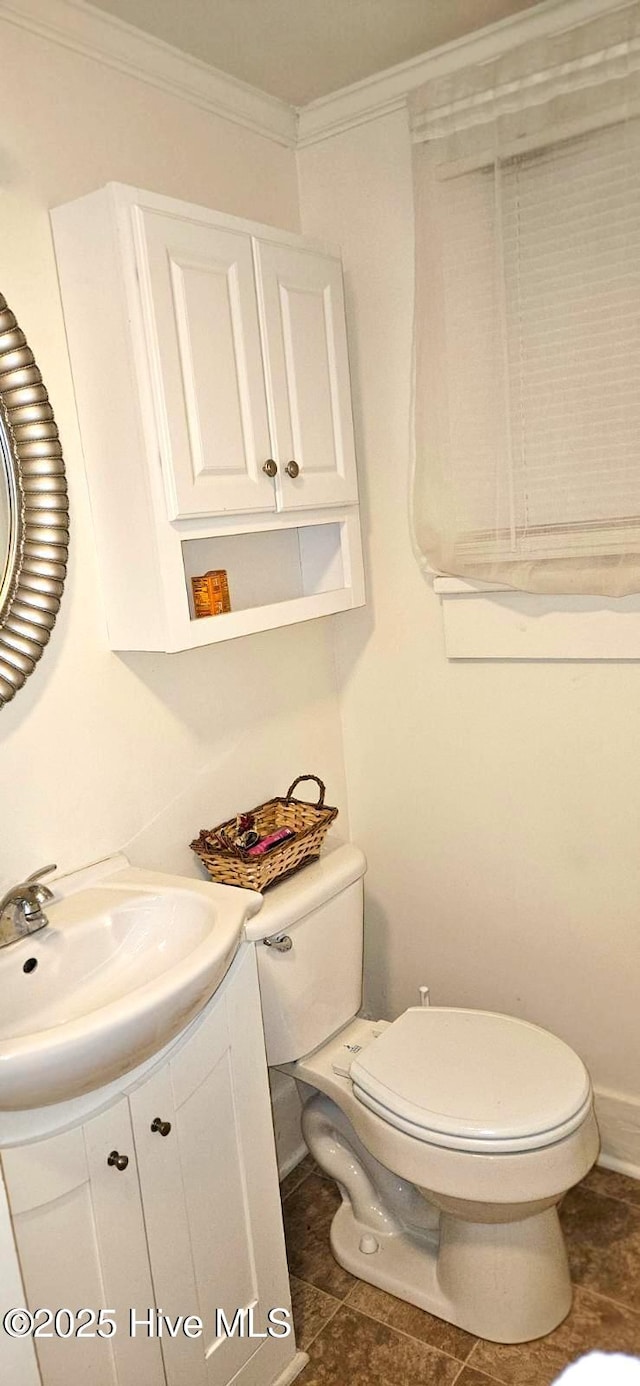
(37,875)
(35,893)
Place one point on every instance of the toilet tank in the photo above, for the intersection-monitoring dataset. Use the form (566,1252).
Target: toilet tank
(311,991)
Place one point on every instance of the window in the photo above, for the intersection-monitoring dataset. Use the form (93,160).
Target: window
(528,316)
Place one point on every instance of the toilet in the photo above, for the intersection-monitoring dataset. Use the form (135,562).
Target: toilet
(452,1133)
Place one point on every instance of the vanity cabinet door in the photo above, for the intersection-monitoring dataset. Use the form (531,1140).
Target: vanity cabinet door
(305,347)
(203,340)
(210,1193)
(79,1232)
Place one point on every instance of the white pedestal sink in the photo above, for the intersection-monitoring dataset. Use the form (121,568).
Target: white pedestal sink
(128,959)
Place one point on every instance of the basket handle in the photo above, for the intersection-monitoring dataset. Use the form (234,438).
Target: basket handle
(308,777)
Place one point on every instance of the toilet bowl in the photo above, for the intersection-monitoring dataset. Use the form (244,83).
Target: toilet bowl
(451,1133)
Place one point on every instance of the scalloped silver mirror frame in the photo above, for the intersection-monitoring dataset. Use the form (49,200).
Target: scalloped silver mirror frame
(36,568)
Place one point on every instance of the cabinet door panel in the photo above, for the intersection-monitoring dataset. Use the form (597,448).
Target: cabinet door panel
(196,1214)
(218,1214)
(259,1166)
(303,323)
(168,1233)
(18,1362)
(213,1179)
(84,1246)
(59,1253)
(38,1173)
(124,1256)
(201,323)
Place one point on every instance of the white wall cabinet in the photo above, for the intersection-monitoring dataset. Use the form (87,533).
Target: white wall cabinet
(191,1224)
(204,349)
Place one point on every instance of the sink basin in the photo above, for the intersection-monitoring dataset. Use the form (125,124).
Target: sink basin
(128,959)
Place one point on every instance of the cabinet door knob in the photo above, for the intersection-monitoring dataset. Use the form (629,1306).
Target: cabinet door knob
(292,469)
(270,467)
(163,1127)
(120,1161)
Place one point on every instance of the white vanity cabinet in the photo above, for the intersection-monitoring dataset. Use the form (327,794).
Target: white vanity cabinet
(189,1224)
(209,357)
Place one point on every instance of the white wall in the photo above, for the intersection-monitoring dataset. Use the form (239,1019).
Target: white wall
(498,803)
(99,751)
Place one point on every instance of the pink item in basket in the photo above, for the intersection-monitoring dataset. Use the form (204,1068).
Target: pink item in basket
(266,843)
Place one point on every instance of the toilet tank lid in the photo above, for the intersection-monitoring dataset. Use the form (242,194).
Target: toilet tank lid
(285,904)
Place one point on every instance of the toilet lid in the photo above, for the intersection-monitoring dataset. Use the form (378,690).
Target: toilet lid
(473,1080)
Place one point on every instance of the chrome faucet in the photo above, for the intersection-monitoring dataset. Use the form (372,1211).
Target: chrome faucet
(21,908)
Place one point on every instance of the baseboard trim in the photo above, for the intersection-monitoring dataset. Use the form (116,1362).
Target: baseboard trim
(619,1166)
(619,1121)
(293,1370)
(293,1159)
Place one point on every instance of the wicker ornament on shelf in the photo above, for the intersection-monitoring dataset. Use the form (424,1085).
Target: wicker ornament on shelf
(232,865)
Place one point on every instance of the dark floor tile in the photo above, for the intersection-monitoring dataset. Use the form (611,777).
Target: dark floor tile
(593,1323)
(296,1176)
(608,1181)
(312,1309)
(470,1377)
(356,1351)
(603,1242)
(407,1319)
(308,1213)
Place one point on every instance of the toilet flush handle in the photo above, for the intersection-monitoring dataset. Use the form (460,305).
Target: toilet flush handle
(281,942)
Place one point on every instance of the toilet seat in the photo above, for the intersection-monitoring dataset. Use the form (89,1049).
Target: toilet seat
(473,1080)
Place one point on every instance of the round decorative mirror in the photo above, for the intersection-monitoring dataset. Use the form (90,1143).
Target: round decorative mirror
(5,520)
(34,510)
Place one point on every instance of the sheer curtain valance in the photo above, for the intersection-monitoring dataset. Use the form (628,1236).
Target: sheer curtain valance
(527,387)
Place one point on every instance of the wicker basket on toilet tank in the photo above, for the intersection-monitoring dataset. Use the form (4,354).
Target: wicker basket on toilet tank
(232,865)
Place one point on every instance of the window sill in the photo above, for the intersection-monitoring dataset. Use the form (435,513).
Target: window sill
(487,621)
(455,587)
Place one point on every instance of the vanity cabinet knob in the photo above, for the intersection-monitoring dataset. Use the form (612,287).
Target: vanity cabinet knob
(292,469)
(162,1127)
(270,467)
(120,1161)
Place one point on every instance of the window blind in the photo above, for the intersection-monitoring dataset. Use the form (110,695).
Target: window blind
(542,329)
(527,391)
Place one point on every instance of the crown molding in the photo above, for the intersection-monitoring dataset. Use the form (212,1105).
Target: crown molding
(84,29)
(387,91)
(80,27)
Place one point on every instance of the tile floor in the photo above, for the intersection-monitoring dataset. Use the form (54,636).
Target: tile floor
(359,1336)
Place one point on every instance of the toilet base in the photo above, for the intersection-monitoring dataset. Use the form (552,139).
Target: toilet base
(500,1271)
(507,1282)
